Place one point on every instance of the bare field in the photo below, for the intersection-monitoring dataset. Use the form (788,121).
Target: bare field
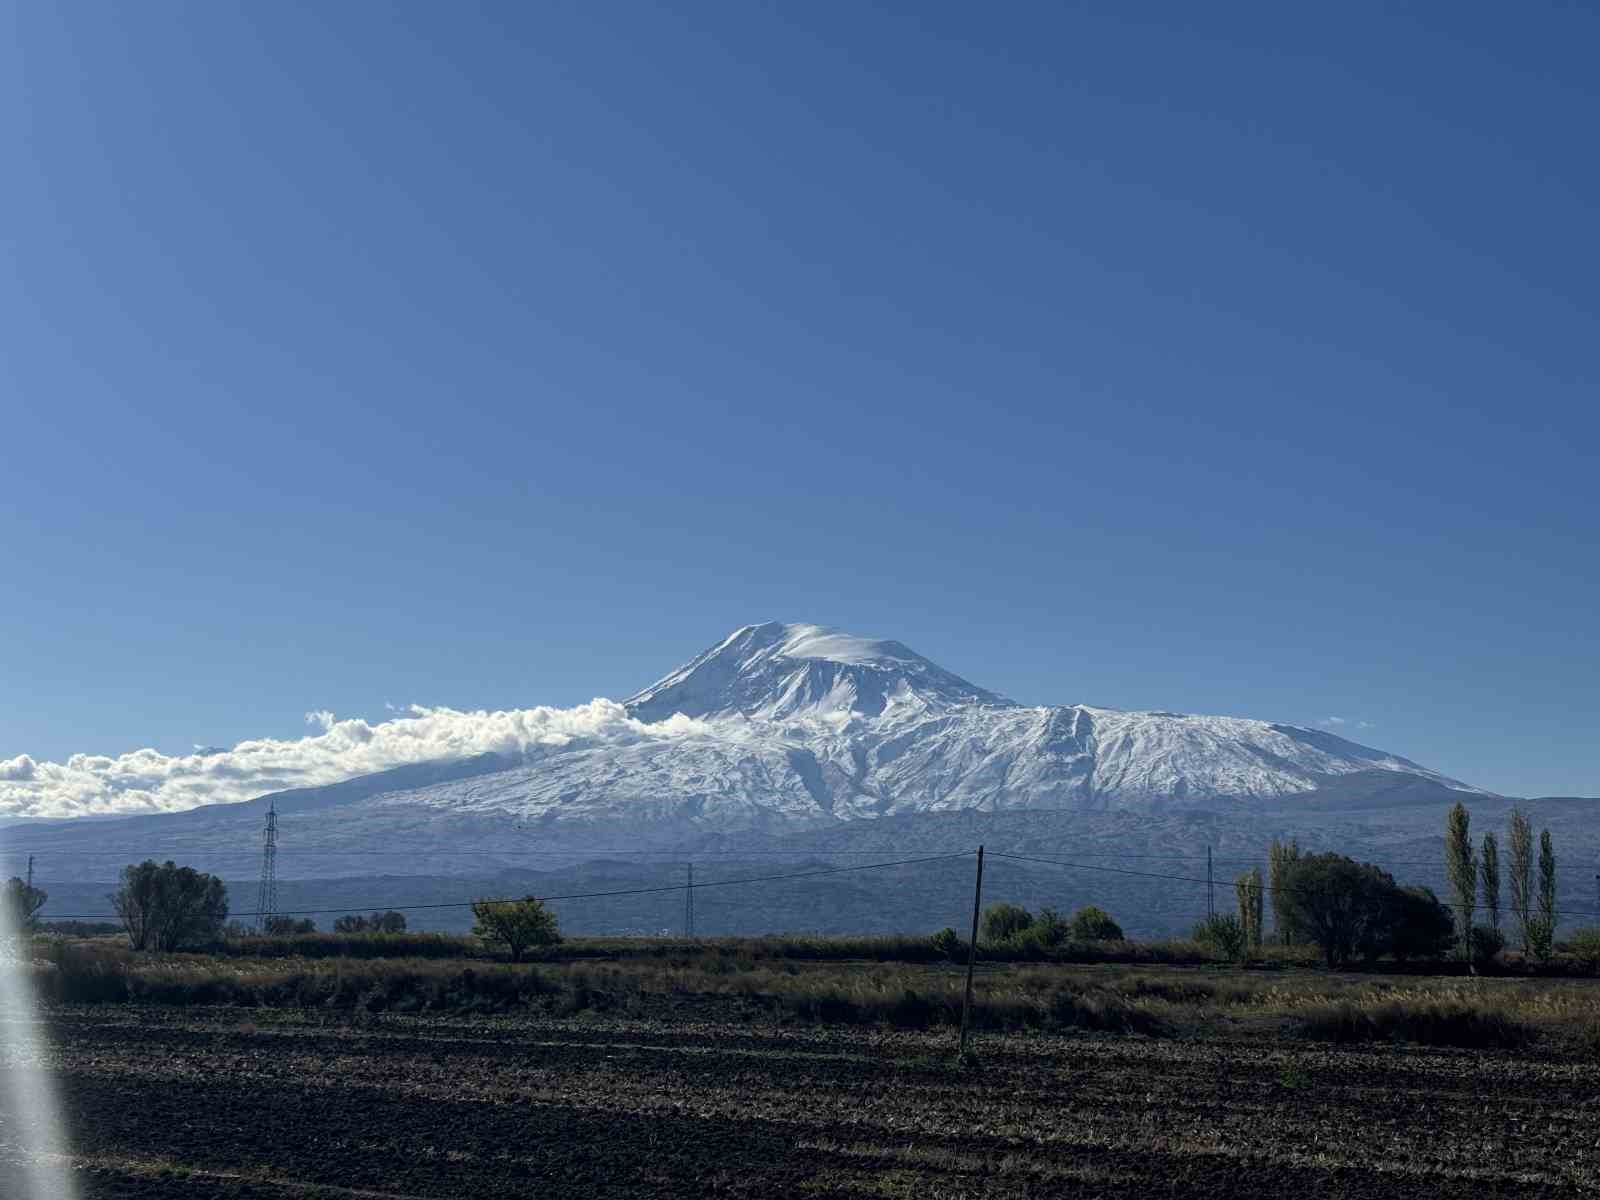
(201,1102)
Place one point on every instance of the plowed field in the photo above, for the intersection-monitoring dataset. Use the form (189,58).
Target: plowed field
(202,1103)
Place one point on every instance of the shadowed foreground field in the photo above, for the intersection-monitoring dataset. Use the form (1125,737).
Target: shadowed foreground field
(202,1102)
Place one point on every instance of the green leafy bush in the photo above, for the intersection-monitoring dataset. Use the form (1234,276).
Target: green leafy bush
(1091,924)
(1050,929)
(1002,922)
(1224,934)
(1541,937)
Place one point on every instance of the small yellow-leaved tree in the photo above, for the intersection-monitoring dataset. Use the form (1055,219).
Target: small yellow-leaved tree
(518,925)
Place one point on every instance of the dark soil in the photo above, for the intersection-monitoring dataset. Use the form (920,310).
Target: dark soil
(203,1103)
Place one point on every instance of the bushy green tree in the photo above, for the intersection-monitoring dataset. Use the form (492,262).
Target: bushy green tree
(20,903)
(948,943)
(283,926)
(518,925)
(1419,925)
(1344,907)
(1092,924)
(166,907)
(1003,921)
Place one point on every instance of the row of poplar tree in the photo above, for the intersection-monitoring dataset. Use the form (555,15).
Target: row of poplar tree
(1534,911)
(1351,908)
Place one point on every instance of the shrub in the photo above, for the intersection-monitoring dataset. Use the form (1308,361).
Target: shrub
(1004,921)
(947,943)
(1487,943)
(1091,924)
(1585,946)
(288,926)
(1224,934)
(379,922)
(1050,929)
(1541,937)
(358,946)
(81,929)
(1425,1022)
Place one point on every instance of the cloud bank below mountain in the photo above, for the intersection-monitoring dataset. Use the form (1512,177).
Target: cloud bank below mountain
(146,781)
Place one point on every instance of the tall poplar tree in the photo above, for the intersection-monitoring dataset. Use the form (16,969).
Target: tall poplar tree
(1521,876)
(1462,871)
(1248,891)
(1489,871)
(1546,920)
(1281,856)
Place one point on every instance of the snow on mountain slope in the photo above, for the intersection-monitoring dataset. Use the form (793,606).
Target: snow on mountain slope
(800,726)
(784,672)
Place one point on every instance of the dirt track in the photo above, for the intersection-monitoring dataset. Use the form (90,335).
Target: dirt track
(201,1103)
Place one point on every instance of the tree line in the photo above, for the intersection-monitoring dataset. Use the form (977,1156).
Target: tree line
(1356,910)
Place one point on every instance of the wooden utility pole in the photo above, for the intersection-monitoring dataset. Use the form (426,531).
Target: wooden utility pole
(688,905)
(1211,895)
(972,953)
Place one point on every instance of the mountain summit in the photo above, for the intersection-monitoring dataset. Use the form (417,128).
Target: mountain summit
(784,672)
(809,724)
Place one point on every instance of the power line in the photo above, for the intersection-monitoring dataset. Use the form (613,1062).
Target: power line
(649,891)
(670,854)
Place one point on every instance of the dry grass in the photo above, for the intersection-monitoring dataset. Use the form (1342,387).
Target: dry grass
(761,981)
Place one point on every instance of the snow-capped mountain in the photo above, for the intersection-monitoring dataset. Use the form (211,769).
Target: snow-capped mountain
(788,729)
(801,740)
(798,726)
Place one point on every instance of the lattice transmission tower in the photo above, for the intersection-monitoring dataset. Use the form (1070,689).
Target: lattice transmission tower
(267,898)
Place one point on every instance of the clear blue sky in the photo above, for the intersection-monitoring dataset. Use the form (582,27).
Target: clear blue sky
(1229,359)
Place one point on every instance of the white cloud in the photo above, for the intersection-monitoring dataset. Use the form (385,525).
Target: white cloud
(1335,722)
(19,768)
(148,781)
